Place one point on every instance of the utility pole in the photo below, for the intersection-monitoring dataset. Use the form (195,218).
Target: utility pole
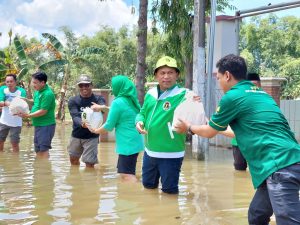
(210,60)
(199,144)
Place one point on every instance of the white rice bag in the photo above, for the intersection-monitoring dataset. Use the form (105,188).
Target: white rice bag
(18,105)
(94,119)
(189,110)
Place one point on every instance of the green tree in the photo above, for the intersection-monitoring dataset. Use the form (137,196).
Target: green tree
(65,58)
(175,18)
(291,71)
(120,57)
(13,61)
(271,47)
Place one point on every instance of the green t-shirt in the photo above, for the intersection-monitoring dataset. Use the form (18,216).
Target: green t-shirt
(262,132)
(234,142)
(44,99)
(121,116)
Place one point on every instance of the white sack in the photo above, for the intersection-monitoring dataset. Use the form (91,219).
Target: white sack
(189,110)
(18,105)
(94,119)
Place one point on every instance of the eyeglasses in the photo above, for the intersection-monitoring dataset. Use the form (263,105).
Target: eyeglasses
(84,85)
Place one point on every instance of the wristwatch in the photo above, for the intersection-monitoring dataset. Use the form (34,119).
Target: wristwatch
(189,131)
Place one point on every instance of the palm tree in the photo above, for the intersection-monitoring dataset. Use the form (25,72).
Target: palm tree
(66,58)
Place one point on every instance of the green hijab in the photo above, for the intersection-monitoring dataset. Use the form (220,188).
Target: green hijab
(123,87)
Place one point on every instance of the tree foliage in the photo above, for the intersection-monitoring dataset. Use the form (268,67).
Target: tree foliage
(175,19)
(67,57)
(13,60)
(120,54)
(271,47)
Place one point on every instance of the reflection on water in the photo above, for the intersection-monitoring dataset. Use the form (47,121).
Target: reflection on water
(38,191)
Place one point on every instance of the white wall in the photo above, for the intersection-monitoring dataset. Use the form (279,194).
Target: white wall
(225,39)
(291,111)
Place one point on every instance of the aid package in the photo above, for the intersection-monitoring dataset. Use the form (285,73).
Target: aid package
(18,105)
(93,119)
(189,110)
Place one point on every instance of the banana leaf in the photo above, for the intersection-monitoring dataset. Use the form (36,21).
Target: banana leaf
(89,51)
(57,62)
(20,50)
(21,54)
(3,70)
(82,62)
(2,54)
(22,73)
(54,41)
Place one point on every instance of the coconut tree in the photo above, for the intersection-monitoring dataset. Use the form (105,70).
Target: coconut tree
(66,57)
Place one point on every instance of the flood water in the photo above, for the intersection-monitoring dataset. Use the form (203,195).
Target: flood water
(39,191)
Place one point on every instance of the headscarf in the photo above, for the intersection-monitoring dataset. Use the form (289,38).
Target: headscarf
(123,87)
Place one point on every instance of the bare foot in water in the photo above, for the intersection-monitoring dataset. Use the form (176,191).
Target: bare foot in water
(128,178)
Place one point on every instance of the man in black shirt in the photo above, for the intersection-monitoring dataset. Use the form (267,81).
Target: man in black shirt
(83,143)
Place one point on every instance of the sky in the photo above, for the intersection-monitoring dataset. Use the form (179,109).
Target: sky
(250,4)
(33,17)
(84,17)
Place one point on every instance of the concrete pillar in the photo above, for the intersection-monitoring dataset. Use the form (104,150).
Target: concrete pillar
(226,41)
(272,85)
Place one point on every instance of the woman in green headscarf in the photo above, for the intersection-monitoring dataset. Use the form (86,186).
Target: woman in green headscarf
(121,116)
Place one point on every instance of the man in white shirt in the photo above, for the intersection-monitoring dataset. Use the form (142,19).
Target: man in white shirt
(10,123)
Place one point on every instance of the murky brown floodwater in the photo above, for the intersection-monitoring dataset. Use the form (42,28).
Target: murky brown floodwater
(52,192)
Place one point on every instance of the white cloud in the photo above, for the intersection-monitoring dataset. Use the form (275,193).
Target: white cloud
(33,17)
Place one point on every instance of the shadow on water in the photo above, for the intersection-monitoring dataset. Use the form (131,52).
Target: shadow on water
(36,191)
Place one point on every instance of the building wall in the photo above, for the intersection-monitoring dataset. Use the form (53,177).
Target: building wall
(291,109)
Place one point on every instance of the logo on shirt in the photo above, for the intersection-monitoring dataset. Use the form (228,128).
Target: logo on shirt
(254,88)
(166,106)
(218,109)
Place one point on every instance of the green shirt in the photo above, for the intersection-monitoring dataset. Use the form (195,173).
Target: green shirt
(262,132)
(157,115)
(234,142)
(122,117)
(44,99)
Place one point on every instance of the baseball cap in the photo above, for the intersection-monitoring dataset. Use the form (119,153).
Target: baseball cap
(166,61)
(84,79)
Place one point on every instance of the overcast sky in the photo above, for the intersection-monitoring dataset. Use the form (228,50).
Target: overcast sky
(33,17)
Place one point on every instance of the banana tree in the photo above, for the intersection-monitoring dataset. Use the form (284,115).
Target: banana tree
(14,64)
(22,59)
(7,64)
(66,58)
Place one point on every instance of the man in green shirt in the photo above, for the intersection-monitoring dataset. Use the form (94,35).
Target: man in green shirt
(265,140)
(42,114)
(239,162)
(164,149)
